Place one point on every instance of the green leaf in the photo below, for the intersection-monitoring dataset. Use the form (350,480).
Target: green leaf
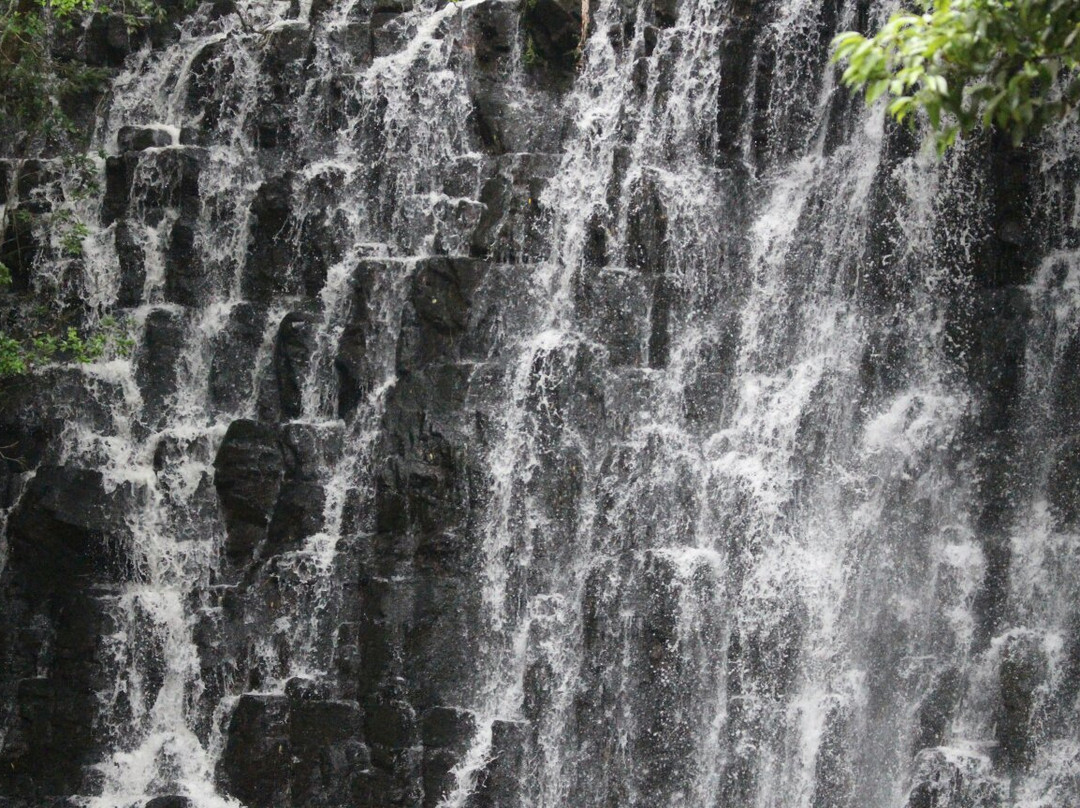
(1008,64)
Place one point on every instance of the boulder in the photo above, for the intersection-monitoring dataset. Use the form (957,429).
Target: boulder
(497,783)
(446,733)
(186,281)
(440,298)
(646,227)
(293,350)
(68,526)
(132,260)
(169,801)
(140,138)
(328,752)
(1024,670)
(158,360)
(109,40)
(553,28)
(951,778)
(255,763)
(267,270)
(234,357)
(247,474)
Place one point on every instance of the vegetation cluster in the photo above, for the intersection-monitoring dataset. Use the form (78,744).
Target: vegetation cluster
(1013,65)
(41,75)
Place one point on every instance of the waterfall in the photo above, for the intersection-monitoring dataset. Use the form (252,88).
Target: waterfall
(515,421)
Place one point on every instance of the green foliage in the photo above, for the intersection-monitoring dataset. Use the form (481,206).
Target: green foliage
(33,82)
(530,57)
(1010,64)
(20,356)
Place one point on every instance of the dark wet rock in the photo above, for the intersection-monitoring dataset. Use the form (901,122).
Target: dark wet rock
(990,600)
(293,350)
(235,352)
(53,739)
(109,40)
(553,29)
(1024,669)
(221,8)
(665,12)
(284,56)
(309,450)
(646,228)
(307,453)
(267,270)
(119,175)
(883,364)
(737,67)
(446,733)
(595,254)
(1066,386)
(352,364)
(834,778)
(33,182)
(66,538)
(255,763)
(936,710)
(159,358)
(1005,257)
(132,260)
(156,182)
(617,305)
(69,525)
(504,122)
(390,32)
(140,138)
(425,492)
(497,783)
(185,276)
(1063,487)
(301,688)
(247,474)
(996,360)
(510,225)
(320,239)
(36,409)
(169,801)
(297,514)
(441,296)
(708,384)
(948,778)
(661,742)
(769,654)
(328,753)
(661,314)
(490,31)
(390,727)
(210,70)
(448,727)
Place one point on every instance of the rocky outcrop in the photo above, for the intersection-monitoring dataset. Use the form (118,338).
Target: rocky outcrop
(611,422)
(67,545)
(247,474)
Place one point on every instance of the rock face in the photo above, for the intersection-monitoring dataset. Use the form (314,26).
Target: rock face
(518,419)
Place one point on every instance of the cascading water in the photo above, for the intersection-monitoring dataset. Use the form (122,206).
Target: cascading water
(522,421)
